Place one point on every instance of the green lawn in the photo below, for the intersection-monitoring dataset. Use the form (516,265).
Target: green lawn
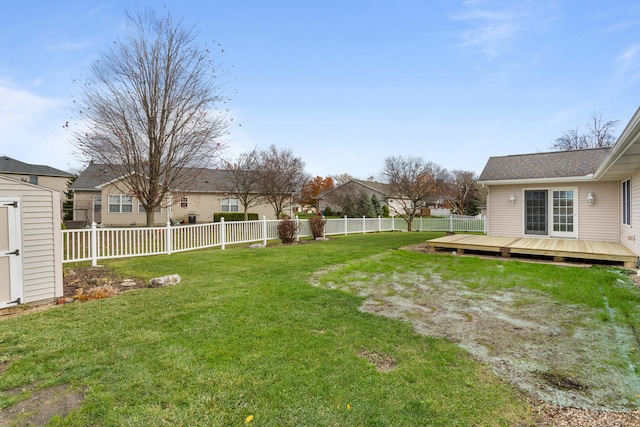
(243,335)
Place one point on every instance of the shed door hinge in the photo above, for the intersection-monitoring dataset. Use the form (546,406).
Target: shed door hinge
(14,204)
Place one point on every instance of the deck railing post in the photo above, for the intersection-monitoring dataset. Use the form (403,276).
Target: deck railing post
(94,244)
(223,231)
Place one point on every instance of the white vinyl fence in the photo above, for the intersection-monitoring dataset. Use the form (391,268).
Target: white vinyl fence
(97,243)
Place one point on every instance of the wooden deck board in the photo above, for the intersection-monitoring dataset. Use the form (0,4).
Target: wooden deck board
(561,248)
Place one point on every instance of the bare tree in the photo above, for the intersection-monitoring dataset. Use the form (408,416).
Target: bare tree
(599,135)
(281,178)
(150,109)
(244,177)
(341,179)
(412,181)
(461,191)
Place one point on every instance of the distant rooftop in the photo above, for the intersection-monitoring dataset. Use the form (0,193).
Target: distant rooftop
(9,165)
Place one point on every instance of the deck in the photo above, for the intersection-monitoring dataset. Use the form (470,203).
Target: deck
(559,249)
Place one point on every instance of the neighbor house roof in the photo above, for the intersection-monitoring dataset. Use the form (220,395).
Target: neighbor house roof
(9,165)
(576,164)
(206,180)
(380,187)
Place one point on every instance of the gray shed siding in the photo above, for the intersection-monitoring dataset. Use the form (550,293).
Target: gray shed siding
(41,245)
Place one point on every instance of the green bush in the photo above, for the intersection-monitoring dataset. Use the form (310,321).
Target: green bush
(233,216)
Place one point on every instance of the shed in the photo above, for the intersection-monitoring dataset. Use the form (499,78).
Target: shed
(30,243)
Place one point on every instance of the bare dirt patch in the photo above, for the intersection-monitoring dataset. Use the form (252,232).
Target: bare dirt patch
(558,354)
(41,406)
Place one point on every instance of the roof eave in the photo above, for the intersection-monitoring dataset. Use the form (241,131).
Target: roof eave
(627,138)
(527,181)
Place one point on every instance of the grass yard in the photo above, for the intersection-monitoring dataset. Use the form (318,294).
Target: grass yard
(246,340)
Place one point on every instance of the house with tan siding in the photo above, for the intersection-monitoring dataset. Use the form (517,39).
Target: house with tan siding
(44,176)
(589,194)
(100,197)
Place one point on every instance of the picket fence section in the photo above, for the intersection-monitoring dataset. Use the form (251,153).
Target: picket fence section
(97,243)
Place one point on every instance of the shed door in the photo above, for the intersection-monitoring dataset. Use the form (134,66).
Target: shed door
(11,289)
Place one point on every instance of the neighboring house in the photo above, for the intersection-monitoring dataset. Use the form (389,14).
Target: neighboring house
(354,187)
(584,194)
(100,197)
(44,176)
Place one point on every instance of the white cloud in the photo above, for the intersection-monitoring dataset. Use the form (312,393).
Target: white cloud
(494,25)
(32,128)
(628,64)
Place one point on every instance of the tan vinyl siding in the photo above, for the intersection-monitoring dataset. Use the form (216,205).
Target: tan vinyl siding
(630,235)
(601,220)
(41,241)
(504,219)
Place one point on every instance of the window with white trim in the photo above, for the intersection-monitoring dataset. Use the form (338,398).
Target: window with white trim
(97,204)
(626,202)
(229,204)
(141,208)
(120,203)
(184,202)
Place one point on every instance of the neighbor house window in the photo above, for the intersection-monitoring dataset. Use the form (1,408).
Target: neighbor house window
(141,208)
(229,204)
(119,203)
(33,180)
(626,202)
(184,202)
(97,204)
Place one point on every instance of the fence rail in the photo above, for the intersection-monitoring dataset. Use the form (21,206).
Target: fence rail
(97,243)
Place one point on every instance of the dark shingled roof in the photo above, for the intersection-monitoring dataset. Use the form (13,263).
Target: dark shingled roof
(557,164)
(206,181)
(9,165)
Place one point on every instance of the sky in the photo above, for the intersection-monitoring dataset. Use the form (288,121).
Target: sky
(346,84)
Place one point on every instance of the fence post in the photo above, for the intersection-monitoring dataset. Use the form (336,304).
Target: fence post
(420,222)
(94,244)
(264,230)
(346,231)
(324,228)
(379,223)
(297,229)
(168,239)
(393,223)
(364,224)
(223,231)
(450,222)
(484,224)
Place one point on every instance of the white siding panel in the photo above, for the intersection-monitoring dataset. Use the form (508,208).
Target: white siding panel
(40,218)
(601,220)
(630,235)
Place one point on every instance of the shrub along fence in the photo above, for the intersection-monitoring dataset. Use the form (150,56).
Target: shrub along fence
(97,243)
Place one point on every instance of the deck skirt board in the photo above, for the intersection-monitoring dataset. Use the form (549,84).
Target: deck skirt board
(559,248)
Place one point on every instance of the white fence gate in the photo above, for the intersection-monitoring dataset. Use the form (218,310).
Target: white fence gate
(102,243)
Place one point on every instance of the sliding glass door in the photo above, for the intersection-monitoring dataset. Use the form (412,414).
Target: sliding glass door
(559,221)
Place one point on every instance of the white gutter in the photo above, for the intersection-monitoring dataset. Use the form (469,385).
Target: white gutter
(585,178)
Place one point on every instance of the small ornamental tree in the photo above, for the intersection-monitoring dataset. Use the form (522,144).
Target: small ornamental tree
(288,230)
(317,224)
